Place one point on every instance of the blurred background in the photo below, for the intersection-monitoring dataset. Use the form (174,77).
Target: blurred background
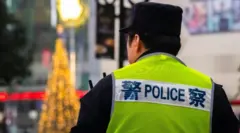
(28,30)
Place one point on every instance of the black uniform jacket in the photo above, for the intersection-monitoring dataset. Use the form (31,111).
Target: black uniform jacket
(96,107)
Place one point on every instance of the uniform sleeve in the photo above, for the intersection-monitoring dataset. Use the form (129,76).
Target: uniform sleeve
(95,108)
(224,119)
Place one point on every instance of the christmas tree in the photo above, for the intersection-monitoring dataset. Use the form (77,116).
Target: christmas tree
(61,105)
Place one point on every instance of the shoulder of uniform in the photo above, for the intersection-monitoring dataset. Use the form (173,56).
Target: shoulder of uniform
(199,73)
(124,68)
(103,84)
(107,79)
(218,85)
(206,81)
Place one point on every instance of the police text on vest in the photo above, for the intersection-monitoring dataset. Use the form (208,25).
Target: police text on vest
(162,93)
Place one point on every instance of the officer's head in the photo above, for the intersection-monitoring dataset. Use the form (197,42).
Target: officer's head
(155,27)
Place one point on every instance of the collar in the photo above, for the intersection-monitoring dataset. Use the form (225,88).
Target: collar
(146,53)
(153,52)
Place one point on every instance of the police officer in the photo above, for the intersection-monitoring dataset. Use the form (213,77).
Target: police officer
(157,93)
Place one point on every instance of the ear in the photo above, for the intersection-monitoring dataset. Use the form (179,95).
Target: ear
(136,41)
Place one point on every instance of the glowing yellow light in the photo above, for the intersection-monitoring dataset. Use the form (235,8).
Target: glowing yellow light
(70,9)
(72,13)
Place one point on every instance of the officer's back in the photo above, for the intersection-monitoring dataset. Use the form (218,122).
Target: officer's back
(157,92)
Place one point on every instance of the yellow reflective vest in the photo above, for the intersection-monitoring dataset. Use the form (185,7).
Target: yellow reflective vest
(159,94)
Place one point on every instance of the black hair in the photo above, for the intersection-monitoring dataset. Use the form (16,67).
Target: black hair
(159,43)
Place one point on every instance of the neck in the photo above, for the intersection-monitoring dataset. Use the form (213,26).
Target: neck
(148,51)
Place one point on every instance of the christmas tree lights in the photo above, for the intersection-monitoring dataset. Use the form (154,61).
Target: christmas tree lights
(61,105)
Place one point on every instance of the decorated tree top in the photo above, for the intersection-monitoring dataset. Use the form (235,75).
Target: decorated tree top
(61,106)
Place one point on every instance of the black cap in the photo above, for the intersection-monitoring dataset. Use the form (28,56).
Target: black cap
(155,18)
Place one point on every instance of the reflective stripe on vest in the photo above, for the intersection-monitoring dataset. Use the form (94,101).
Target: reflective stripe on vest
(159,93)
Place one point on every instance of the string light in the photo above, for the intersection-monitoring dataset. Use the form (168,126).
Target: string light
(61,106)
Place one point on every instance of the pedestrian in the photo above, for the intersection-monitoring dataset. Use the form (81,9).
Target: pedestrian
(157,92)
